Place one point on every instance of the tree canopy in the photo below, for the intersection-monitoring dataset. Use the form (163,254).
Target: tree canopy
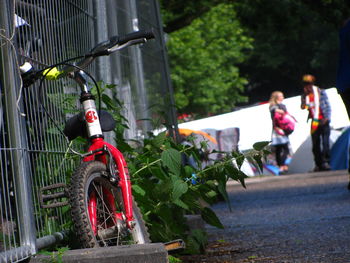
(291,38)
(276,42)
(203,58)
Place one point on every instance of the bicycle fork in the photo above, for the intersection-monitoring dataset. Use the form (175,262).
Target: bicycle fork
(99,153)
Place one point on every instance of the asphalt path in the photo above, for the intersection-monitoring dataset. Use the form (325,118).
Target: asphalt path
(291,218)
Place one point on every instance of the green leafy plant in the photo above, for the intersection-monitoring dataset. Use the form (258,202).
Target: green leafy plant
(55,256)
(173,259)
(166,190)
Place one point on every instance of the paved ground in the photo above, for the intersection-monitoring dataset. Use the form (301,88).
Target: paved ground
(294,218)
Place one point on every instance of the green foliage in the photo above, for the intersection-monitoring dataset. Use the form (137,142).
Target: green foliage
(55,256)
(204,58)
(196,242)
(165,193)
(173,259)
(163,186)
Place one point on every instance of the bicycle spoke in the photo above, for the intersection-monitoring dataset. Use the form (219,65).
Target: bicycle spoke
(101,197)
(106,217)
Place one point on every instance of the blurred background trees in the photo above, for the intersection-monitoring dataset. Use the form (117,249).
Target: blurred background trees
(203,60)
(231,53)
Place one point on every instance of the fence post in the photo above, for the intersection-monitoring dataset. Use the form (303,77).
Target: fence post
(16,128)
(137,64)
(168,88)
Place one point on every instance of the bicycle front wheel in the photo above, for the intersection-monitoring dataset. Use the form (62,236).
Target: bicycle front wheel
(97,209)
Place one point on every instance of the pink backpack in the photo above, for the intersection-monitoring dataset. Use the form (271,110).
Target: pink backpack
(285,121)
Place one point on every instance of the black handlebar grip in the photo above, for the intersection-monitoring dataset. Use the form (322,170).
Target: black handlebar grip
(102,49)
(136,35)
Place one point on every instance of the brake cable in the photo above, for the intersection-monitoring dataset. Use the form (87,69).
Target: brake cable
(40,97)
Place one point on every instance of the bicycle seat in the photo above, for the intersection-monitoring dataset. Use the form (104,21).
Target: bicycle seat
(75,126)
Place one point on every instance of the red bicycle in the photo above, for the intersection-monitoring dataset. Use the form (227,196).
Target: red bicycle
(102,207)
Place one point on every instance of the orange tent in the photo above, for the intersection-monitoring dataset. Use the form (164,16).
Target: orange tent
(187,132)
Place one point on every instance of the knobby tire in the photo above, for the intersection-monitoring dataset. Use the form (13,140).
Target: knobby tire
(89,177)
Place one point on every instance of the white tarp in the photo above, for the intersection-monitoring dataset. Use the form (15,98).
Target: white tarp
(255,125)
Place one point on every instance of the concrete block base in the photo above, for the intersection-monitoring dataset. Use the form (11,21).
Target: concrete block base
(145,253)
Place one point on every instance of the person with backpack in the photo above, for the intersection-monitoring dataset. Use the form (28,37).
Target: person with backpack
(315,100)
(279,137)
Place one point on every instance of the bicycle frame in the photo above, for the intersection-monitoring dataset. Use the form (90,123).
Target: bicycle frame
(99,150)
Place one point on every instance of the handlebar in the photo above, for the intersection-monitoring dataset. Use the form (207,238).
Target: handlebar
(136,35)
(105,48)
(118,42)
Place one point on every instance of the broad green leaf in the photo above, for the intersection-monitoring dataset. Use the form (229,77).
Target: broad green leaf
(223,192)
(260,145)
(242,176)
(171,158)
(161,191)
(137,189)
(159,140)
(158,172)
(164,212)
(188,171)
(266,152)
(108,101)
(257,158)
(232,172)
(211,194)
(210,217)
(181,204)
(179,188)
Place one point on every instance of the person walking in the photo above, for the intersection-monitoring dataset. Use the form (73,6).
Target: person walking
(279,140)
(315,100)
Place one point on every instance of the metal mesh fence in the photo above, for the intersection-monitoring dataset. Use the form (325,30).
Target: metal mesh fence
(33,152)
(56,30)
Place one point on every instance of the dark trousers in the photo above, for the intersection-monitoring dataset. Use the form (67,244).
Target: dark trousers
(282,151)
(320,145)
